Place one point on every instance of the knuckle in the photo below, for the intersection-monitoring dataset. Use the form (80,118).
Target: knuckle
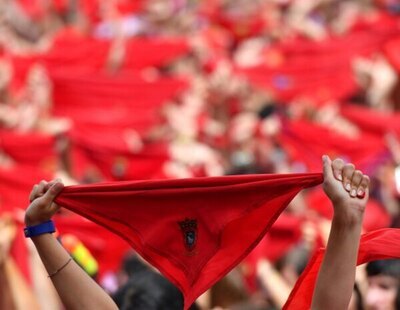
(358,173)
(338,164)
(365,181)
(338,161)
(346,177)
(348,172)
(349,167)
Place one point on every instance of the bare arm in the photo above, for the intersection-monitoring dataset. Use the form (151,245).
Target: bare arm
(21,293)
(6,300)
(7,234)
(15,292)
(347,188)
(75,288)
(273,282)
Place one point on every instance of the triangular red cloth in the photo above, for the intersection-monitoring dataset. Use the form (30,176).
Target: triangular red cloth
(378,244)
(193,230)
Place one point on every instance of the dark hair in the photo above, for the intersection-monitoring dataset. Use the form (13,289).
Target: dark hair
(132,264)
(359,299)
(266,110)
(297,257)
(146,290)
(386,267)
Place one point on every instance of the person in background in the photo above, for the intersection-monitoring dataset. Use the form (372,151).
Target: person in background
(383,285)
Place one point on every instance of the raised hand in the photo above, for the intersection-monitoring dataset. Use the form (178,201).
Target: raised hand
(347,188)
(42,207)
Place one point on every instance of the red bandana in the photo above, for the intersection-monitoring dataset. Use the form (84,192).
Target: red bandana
(193,230)
(379,244)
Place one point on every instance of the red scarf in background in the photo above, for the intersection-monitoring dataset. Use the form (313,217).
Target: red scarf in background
(110,158)
(31,150)
(379,244)
(283,235)
(302,142)
(372,121)
(193,230)
(319,70)
(392,51)
(144,52)
(375,217)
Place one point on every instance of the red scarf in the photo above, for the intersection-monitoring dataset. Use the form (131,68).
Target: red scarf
(193,230)
(379,244)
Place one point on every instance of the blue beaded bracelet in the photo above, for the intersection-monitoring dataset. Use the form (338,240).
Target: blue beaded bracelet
(40,229)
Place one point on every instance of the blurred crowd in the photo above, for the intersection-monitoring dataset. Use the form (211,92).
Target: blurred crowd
(94,91)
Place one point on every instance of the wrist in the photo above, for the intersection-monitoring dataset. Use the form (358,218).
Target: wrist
(32,221)
(348,215)
(39,229)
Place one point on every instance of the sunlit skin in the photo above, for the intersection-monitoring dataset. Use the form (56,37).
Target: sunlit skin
(381,294)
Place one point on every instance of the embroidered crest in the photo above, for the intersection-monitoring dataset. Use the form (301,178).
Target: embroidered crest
(189,231)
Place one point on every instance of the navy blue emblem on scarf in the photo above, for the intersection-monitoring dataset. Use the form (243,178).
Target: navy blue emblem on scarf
(189,231)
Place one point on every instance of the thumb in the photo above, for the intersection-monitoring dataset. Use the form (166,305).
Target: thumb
(327,167)
(53,192)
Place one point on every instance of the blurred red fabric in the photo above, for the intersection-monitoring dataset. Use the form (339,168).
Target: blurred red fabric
(306,142)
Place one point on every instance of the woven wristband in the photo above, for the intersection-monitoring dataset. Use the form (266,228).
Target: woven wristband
(40,229)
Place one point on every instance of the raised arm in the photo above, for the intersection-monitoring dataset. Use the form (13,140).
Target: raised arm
(347,188)
(75,288)
(6,296)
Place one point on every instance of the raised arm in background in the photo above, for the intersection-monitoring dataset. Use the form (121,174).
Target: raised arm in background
(6,297)
(15,292)
(75,288)
(347,188)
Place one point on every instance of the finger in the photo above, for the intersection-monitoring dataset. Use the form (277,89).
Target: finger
(38,190)
(337,166)
(355,182)
(52,193)
(54,208)
(327,167)
(363,187)
(51,183)
(41,189)
(347,175)
(33,193)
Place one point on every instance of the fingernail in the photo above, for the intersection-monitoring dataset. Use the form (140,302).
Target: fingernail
(361,194)
(347,186)
(353,192)
(340,178)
